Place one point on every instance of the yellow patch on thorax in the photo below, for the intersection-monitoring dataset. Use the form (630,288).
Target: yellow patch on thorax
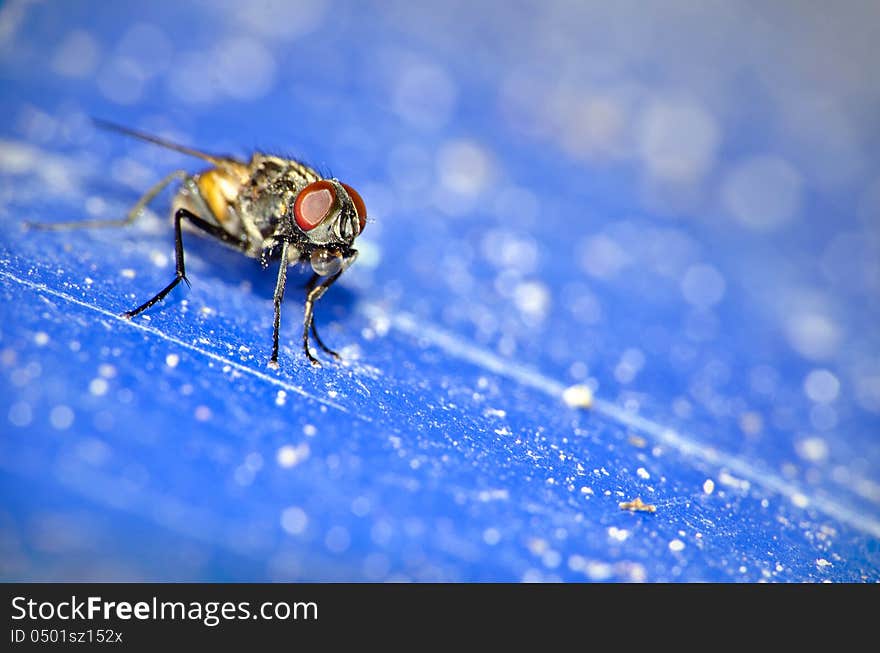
(220,186)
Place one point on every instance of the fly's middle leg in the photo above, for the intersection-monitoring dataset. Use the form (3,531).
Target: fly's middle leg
(196,221)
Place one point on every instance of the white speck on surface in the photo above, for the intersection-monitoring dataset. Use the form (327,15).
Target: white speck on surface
(751,423)
(121,80)
(491,536)
(703,286)
(822,562)
(254,461)
(676,545)
(728,479)
(763,192)
(708,486)
(106,370)
(602,257)
(814,449)
(128,273)
(20,414)
(424,95)
(289,455)
(280,398)
(821,386)
(278,19)
(148,46)
(244,68)
(551,559)
(337,539)
(800,500)
(532,298)
(294,520)
(493,495)
(578,396)
(823,417)
(61,417)
(813,335)
(98,387)
(537,546)
(630,364)
(171,360)
(203,413)
(159,259)
(361,507)
(599,570)
(643,473)
(494,412)
(41,338)
(577,562)
(464,167)
(310,431)
(619,534)
(76,56)
(678,140)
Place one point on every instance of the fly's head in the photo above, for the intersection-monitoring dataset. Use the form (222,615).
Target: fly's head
(330,215)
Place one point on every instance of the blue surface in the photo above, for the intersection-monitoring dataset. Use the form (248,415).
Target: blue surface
(677,207)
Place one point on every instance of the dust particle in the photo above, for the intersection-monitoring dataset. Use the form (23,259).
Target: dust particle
(637,505)
(578,396)
(637,441)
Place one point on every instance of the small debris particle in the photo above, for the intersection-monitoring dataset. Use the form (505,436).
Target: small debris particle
(822,562)
(98,386)
(676,545)
(637,505)
(708,486)
(800,500)
(106,370)
(41,338)
(643,473)
(289,456)
(619,534)
(171,360)
(638,441)
(578,396)
(203,413)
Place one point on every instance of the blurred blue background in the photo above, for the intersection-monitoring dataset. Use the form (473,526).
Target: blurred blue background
(676,205)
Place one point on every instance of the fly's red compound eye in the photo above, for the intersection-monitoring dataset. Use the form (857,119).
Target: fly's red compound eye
(313,204)
(359,205)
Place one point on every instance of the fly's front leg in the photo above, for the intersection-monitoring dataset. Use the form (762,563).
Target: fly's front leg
(314,295)
(276,300)
(133,214)
(314,328)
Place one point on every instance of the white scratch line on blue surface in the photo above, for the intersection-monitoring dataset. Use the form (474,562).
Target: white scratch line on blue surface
(458,348)
(180,343)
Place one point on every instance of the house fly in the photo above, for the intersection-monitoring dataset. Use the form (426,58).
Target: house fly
(268,208)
